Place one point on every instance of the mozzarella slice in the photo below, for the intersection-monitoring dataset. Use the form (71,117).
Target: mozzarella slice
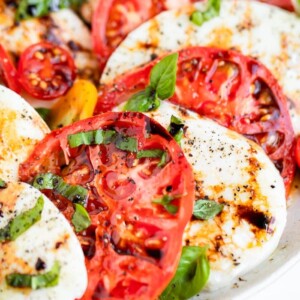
(50,239)
(230,169)
(265,32)
(20,129)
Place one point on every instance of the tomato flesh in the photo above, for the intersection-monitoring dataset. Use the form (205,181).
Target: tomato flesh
(133,245)
(8,72)
(114,19)
(46,71)
(234,90)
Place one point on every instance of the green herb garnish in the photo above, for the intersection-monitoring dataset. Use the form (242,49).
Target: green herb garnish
(22,222)
(127,143)
(92,137)
(165,201)
(176,128)
(35,282)
(80,219)
(212,11)
(49,181)
(206,209)
(39,8)
(3,184)
(161,87)
(150,153)
(191,275)
(43,112)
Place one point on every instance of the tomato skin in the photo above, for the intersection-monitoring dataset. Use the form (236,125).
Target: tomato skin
(135,244)
(8,71)
(114,19)
(286,4)
(234,90)
(46,71)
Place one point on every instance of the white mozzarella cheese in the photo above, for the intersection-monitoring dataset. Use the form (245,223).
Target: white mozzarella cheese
(232,170)
(48,240)
(265,32)
(21,128)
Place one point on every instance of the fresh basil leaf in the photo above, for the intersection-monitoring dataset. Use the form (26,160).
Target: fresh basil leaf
(206,209)
(80,219)
(127,143)
(3,184)
(48,279)
(92,137)
(43,112)
(143,101)
(22,222)
(165,201)
(176,128)
(191,275)
(150,153)
(39,8)
(212,11)
(163,76)
(161,87)
(49,181)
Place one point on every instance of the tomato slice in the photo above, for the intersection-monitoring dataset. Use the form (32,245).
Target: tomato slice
(8,71)
(114,19)
(133,245)
(286,4)
(46,71)
(234,90)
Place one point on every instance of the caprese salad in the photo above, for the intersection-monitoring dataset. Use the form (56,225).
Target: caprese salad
(147,148)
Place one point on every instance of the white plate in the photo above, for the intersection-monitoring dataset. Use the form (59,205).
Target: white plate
(281,261)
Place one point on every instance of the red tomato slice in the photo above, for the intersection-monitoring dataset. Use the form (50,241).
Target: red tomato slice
(234,90)
(114,19)
(297,154)
(286,4)
(46,71)
(8,71)
(133,245)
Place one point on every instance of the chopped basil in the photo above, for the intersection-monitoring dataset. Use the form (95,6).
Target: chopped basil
(161,87)
(49,181)
(163,160)
(206,209)
(48,279)
(92,137)
(127,143)
(39,8)
(165,201)
(176,128)
(80,219)
(22,222)
(151,153)
(191,275)
(3,184)
(212,11)
(43,112)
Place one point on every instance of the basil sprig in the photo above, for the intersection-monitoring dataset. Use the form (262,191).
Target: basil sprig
(161,86)
(80,219)
(39,8)
(165,201)
(35,282)
(176,128)
(206,209)
(212,11)
(22,222)
(191,275)
(49,181)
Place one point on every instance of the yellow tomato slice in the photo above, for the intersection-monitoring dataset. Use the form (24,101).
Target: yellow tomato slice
(77,104)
